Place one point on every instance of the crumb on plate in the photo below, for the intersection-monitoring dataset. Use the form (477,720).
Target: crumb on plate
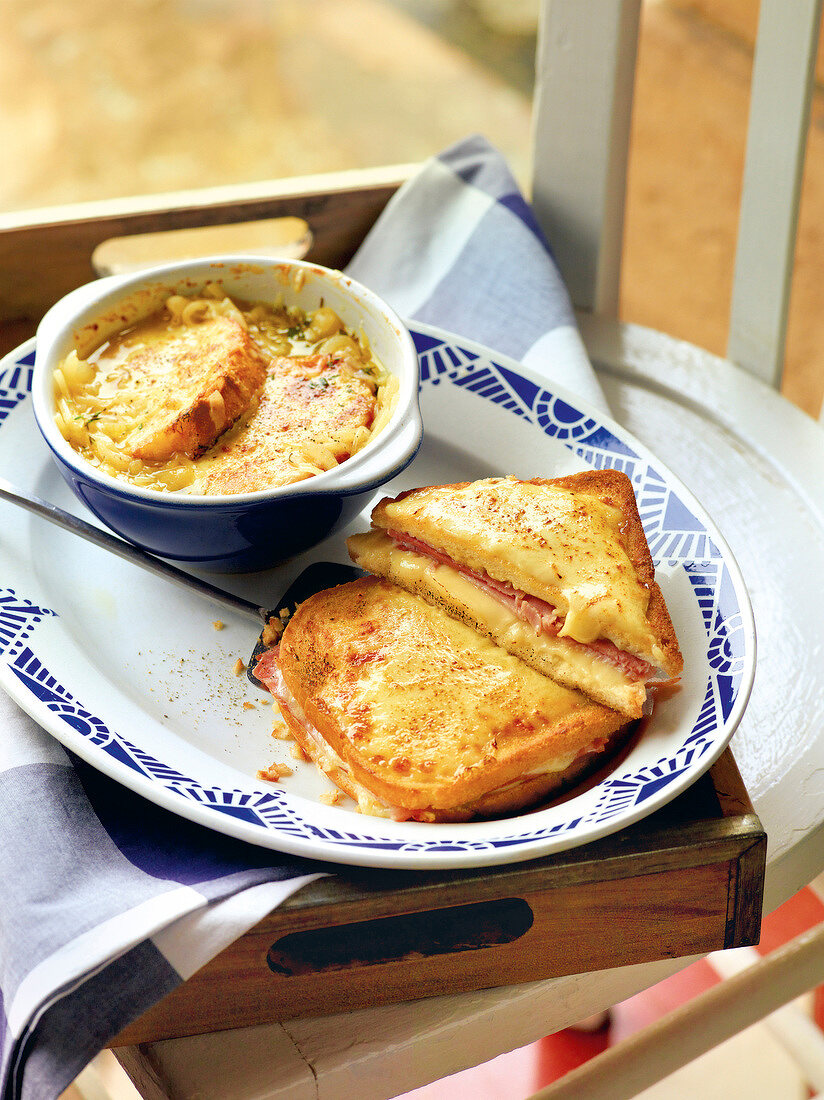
(275,772)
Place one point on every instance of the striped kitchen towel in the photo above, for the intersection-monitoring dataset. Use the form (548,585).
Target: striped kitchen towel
(459,248)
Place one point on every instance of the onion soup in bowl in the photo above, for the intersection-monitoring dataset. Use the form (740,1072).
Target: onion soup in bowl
(228,412)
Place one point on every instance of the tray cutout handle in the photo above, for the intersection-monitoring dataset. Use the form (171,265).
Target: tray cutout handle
(434,932)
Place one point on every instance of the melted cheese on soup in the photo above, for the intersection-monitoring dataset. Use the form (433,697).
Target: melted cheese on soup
(212,396)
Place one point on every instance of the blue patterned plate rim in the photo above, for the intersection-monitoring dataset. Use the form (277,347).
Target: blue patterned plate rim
(685,545)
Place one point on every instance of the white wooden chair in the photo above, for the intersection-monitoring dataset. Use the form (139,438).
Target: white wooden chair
(583,103)
(699,412)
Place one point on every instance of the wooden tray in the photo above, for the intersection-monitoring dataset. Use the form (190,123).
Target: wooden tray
(685,881)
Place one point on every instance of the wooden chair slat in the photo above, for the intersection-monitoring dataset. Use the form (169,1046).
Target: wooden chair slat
(782,84)
(585,72)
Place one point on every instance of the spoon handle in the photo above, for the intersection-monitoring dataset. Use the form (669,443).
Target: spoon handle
(127,551)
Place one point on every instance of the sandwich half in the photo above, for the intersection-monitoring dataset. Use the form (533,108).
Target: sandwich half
(418,717)
(557,572)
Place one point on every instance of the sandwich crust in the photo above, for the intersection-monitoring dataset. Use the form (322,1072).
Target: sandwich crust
(614,488)
(429,717)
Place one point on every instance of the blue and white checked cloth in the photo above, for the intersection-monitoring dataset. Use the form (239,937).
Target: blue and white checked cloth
(108,902)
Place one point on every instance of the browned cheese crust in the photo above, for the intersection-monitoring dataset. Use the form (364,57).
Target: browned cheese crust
(428,715)
(585,528)
(308,402)
(200,381)
(531,790)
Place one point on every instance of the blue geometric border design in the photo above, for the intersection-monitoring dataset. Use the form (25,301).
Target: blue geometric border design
(675,536)
(15,384)
(18,617)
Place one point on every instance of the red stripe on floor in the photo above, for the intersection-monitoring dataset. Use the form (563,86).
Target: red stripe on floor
(647,1007)
(801,912)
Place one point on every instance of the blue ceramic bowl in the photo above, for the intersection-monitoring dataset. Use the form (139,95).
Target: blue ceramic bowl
(247,531)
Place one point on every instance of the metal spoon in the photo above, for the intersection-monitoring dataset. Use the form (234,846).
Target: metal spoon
(126,550)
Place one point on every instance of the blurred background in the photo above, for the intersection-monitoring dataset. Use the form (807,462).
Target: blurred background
(104,100)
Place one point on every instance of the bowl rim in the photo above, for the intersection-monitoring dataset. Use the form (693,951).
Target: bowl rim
(379,460)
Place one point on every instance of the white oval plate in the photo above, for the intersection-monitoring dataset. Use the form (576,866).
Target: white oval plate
(133,674)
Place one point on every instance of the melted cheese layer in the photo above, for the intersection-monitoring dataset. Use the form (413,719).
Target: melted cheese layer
(323,755)
(414,572)
(426,711)
(329,762)
(564,547)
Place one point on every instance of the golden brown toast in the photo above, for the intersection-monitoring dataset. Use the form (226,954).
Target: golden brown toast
(309,412)
(558,572)
(199,382)
(417,716)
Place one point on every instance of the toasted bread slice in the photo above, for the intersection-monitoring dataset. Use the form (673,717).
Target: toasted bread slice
(557,572)
(309,413)
(198,384)
(416,715)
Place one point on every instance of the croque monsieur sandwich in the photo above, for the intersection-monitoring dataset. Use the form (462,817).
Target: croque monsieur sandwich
(557,572)
(417,716)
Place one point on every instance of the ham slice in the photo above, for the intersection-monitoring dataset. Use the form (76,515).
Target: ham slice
(541,616)
(267,669)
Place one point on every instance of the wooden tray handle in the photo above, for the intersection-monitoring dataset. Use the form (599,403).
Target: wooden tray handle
(445,931)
